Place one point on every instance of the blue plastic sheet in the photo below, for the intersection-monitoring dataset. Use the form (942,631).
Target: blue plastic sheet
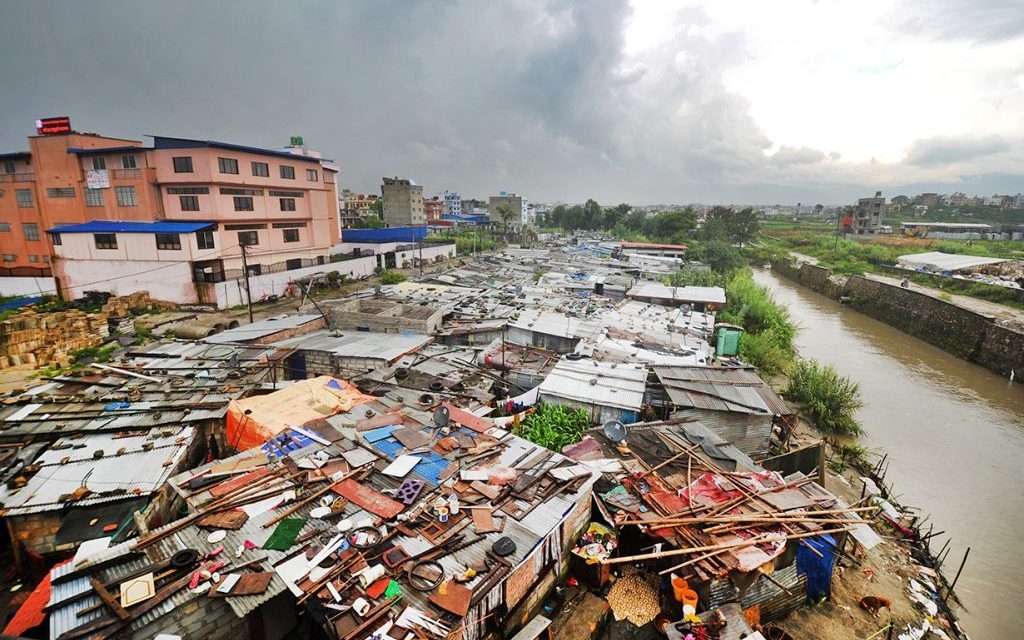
(817,569)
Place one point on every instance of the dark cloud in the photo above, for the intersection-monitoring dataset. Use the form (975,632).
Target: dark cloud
(948,150)
(536,96)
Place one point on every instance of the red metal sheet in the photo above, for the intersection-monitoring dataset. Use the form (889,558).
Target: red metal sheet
(373,501)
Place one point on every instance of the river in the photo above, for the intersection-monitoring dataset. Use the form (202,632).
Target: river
(954,433)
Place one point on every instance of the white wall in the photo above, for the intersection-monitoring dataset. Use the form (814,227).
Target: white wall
(27,286)
(232,292)
(166,281)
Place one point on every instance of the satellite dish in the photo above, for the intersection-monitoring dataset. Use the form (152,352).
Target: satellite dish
(614,431)
(441,417)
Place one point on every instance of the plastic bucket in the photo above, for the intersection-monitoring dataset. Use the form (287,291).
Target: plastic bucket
(679,586)
(689,597)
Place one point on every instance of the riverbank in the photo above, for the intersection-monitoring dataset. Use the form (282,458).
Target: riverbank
(954,435)
(963,332)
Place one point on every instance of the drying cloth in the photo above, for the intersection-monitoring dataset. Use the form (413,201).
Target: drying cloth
(818,570)
(284,535)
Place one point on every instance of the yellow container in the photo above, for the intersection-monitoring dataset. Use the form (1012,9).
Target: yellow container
(679,586)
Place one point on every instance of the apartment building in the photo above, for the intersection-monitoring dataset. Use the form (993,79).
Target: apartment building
(171,218)
(867,217)
(433,209)
(452,204)
(514,203)
(403,203)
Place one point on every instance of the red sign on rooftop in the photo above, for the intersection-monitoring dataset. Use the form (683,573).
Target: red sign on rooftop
(50,126)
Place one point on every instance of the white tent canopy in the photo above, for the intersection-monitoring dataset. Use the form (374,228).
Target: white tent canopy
(938,261)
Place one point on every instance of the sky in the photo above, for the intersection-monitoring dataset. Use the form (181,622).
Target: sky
(649,101)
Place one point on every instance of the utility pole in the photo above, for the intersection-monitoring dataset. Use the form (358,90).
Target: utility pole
(421,256)
(245,270)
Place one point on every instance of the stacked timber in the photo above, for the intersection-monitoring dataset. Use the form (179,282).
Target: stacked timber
(30,338)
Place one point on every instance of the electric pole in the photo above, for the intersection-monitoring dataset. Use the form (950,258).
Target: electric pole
(245,270)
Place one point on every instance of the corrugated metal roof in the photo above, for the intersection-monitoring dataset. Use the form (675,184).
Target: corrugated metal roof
(358,344)
(721,389)
(117,226)
(714,295)
(598,383)
(262,328)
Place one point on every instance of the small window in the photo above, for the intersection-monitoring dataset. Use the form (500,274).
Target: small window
(33,258)
(261,169)
(174,191)
(31,230)
(61,192)
(8,166)
(125,196)
(204,239)
(94,197)
(168,241)
(291,235)
(227,165)
(189,203)
(287,172)
(5,226)
(128,162)
(99,163)
(55,239)
(105,240)
(312,175)
(23,198)
(248,238)
(243,203)
(10,257)
(46,259)
(287,204)
(182,164)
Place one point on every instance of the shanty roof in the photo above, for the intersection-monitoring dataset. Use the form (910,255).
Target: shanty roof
(262,328)
(713,295)
(652,245)
(111,468)
(598,383)
(553,324)
(358,344)
(939,261)
(721,389)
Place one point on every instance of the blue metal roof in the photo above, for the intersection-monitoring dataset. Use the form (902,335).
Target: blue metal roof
(161,142)
(99,150)
(14,155)
(114,226)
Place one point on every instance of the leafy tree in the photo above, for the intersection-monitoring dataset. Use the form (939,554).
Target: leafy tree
(614,215)
(636,221)
(725,223)
(557,216)
(671,226)
(369,222)
(378,207)
(505,213)
(593,215)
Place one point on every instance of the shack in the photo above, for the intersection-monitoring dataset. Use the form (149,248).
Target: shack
(607,391)
(698,298)
(343,354)
(734,402)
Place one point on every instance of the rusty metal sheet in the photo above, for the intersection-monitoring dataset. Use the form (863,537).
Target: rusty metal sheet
(373,501)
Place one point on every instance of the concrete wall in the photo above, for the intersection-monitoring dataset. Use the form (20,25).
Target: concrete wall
(964,333)
(165,281)
(232,292)
(27,286)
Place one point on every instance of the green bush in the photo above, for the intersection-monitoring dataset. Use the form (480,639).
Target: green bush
(688,276)
(767,341)
(827,397)
(391,277)
(554,426)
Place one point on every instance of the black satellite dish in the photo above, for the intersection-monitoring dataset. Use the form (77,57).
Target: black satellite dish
(614,431)
(441,417)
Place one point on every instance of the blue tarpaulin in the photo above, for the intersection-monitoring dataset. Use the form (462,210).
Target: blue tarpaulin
(817,569)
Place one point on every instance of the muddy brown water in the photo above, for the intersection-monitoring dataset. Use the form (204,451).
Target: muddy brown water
(954,433)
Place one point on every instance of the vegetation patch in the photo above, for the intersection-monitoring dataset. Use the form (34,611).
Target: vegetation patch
(827,397)
(391,277)
(554,426)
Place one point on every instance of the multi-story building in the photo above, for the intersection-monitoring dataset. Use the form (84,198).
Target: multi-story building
(867,216)
(516,204)
(355,206)
(49,186)
(172,218)
(452,204)
(927,199)
(403,203)
(433,208)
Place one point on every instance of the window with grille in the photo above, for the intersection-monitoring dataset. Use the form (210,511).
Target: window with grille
(168,241)
(189,203)
(126,196)
(31,230)
(227,165)
(60,192)
(23,198)
(243,203)
(248,238)
(174,191)
(204,239)
(55,239)
(291,235)
(287,204)
(105,240)
(94,197)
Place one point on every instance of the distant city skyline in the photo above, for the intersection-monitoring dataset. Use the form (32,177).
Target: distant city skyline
(643,102)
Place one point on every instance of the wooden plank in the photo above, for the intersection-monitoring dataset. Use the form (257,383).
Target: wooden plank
(109,599)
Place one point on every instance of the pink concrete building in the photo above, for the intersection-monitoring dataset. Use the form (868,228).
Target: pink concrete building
(204,202)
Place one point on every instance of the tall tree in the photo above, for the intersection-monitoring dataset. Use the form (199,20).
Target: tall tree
(614,215)
(671,226)
(557,216)
(592,214)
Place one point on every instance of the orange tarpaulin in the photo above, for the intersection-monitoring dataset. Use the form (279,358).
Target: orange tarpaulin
(253,421)
(32,612)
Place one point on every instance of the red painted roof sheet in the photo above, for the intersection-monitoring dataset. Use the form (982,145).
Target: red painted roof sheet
(31,613)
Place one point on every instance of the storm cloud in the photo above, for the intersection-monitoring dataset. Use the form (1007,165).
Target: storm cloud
(550,98)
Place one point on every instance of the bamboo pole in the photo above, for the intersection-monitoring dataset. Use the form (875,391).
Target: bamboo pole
(314,496)
(721,546)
